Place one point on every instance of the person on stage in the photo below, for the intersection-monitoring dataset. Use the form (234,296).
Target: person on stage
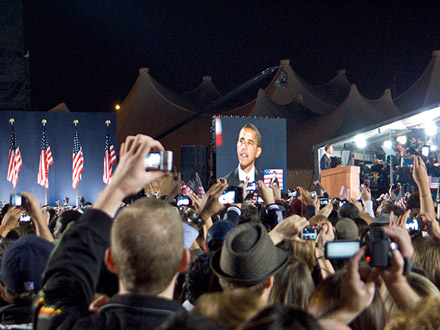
(248,150)
(325,162)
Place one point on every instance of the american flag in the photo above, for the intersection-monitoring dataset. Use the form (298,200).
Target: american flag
(200,189)
(434,182)
(109,159)
(77,160)
(345,192)
(271,174)
(15,162)
(401,202)
(46,160)
(195,187)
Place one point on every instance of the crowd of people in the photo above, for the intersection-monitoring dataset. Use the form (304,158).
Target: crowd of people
(147,263)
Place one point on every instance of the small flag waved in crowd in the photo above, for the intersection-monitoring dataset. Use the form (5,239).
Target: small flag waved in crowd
(109,159)
(15,162)
(273,176)
(434,182)
(401,202)
(194,187)
(77,160)
(345,192)
(46,160)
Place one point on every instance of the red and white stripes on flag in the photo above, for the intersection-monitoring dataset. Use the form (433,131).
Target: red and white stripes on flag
(46,160)
(15,162)
(434,182)
(401,202)
(200,189)
(77,160)
(109,159)
(345,192)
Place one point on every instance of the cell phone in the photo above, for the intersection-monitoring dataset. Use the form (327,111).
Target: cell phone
(412,224)
(313,194)
(341,250)
(25,218)
(252,186)
(183,201)
(342,203)
(310,233)
(15,200)
(231,195)
(159,161)
(323,201)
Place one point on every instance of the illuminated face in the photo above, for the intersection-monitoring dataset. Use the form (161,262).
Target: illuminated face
(247,149)
(330,150)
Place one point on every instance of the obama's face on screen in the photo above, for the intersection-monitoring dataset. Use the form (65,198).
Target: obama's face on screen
(248,148)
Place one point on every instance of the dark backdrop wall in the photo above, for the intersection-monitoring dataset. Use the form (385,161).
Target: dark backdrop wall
(60,129)
(273,145)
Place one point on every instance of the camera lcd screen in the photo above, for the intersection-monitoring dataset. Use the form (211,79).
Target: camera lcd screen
(228,197)
(152,162)
(183,201)
(341,250)
(324,201)
(252,186)
(15,200)
(309,233)
(412,224)
(25,218)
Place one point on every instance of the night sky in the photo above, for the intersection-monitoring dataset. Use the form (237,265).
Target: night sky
(88,53)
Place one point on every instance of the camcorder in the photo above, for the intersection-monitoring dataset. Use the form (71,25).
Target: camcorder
(379,246)
(159,161)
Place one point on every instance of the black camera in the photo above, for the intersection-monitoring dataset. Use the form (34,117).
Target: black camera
(378,246)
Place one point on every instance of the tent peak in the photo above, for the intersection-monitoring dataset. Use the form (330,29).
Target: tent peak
(435,53)
(143,70)
(342,71)
(207,78)
(285,62)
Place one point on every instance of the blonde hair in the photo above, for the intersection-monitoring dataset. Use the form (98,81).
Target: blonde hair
(420,284)
(230,308)
(425,315)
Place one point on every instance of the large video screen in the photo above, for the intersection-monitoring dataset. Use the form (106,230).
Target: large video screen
(251,148)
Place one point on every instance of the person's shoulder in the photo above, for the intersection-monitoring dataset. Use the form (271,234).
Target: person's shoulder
(232,174)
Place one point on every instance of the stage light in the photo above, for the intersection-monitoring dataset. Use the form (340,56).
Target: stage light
(425,151)
(117,107)
(401,139)
(433,147)
(431,129)
(360,141)
(388,144)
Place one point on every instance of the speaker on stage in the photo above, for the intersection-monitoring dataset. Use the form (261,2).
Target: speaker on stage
(194,159)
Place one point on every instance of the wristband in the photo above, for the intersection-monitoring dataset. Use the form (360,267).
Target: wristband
(407,265)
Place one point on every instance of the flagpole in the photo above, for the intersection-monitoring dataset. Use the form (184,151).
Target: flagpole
(76,196)
(45,196)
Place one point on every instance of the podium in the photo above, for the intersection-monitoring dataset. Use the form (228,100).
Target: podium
(334,178)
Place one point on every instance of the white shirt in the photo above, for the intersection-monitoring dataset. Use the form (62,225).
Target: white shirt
(242,174)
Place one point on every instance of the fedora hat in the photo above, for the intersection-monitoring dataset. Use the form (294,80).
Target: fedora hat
(248,256)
